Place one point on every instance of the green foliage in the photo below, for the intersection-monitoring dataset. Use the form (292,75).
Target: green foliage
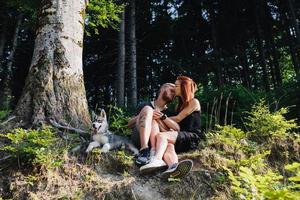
(34,146)
(250,183)
(103,13)
(228,137)
(118,120)
(265,124)
(4,113)
(294,168)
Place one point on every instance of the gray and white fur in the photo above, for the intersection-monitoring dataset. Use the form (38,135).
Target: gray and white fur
(103,137)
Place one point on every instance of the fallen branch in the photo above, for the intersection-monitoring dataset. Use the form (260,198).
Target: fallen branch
(69,128)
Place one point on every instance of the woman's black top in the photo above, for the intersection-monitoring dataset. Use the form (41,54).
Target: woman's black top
(191,123)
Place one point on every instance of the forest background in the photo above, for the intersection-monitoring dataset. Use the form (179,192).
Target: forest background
(237,51)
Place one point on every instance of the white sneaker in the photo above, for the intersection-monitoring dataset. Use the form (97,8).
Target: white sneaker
(153,166)
(152,154)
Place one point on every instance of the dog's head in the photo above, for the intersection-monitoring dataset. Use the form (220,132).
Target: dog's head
(100,124)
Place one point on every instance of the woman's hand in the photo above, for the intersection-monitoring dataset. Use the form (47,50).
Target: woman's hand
(157,114)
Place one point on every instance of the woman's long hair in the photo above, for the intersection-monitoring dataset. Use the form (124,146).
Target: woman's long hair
(188,88)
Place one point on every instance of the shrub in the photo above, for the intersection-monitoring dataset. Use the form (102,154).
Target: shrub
(265,124)
(34,146)
(118,120)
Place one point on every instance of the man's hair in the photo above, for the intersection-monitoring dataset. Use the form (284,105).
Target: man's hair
(164,86)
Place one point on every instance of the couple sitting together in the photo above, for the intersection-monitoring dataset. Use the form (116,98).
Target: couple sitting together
(168,135)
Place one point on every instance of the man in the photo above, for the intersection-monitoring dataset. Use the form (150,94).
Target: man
(150,120)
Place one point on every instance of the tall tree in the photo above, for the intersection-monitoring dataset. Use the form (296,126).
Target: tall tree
(295,22)
(6,93)
(120,75)
(54,87)
(260,43)
(2,37)
(132,64)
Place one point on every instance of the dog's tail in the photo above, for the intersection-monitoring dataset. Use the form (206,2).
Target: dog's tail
(132,148)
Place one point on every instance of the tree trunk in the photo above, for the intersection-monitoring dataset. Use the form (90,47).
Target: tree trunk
(6,94)
(120,78)
(245,66)
(291,6)
(218,69)
(2,40)
(54,88)
(260,44)
(286,28)
(132,64)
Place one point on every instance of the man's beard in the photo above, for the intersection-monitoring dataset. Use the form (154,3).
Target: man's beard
(166,98)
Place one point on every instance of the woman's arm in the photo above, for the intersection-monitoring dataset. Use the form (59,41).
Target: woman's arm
(171,124)
(165,123)
(192,106)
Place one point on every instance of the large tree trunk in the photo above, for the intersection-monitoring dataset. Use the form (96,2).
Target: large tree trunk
(5,94)
(54,88)
(132,64)
(120,77)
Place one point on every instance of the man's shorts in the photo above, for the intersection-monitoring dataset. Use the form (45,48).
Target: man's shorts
(186,141)
(135,137)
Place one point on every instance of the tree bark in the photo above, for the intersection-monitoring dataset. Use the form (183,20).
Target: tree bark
(120,78)
(6,94)
(54,88)
(132,64)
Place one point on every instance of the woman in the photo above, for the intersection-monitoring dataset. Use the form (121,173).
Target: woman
(170,143)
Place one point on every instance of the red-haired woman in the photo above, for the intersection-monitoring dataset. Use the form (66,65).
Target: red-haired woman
(170,143)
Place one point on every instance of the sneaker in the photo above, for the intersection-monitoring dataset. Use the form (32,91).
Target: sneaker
(143,157)
(152,153)
(154,165)
(179,170)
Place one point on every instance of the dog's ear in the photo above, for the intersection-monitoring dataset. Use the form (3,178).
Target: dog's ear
(94,116)
(103,114)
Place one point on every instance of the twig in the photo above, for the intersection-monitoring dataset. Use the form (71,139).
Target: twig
(9,119)
(133,194)
(226,109)
(5,158)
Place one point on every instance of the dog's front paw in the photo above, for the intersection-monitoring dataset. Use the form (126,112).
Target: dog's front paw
(88,150)
(105,148)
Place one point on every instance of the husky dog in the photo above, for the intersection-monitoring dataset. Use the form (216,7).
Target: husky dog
(101,136)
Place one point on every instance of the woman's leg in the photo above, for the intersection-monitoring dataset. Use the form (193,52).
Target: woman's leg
(162,141)
(170,156)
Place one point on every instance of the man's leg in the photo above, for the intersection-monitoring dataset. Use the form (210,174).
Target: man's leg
(144,123)
(154,132)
